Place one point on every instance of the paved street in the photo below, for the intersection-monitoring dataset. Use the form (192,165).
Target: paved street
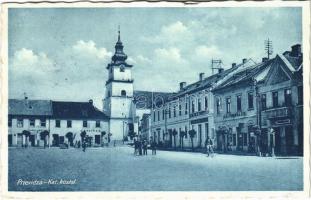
(116,168)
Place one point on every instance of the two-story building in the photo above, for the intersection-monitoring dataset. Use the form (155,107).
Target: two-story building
(52,123)
(281,104)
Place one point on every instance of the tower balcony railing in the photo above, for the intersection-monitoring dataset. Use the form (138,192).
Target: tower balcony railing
(120,80)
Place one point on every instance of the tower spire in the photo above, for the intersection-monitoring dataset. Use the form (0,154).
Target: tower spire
(119,39)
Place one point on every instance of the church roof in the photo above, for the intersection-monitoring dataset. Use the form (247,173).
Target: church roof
(30,107)
(76,110)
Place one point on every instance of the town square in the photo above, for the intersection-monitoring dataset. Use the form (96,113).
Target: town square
(186,99)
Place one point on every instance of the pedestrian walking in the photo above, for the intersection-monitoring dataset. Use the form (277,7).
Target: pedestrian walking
(136,147)
(140,147)
(145,145)
(209,146)
(84,145)
(154,148)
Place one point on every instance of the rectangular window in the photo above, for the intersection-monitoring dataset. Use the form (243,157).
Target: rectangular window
(199,104)
(186,108)
(20,123)
(69,125)
(192,106)
(97,124)
(206,103)
(275,99)
(31,122)
(179,109)
(174,111)
(42,122)
(218,105)
(228,105)
(239,103)
(154,117)
(206,130)
(300,95)
(158,115)
(233,139)
(288,97)
(10,122)
(163,114)
(84,123)
(263,101)
(57,123)
(250,100)
(169,112)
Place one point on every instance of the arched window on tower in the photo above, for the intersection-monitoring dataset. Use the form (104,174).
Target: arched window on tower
(123,93)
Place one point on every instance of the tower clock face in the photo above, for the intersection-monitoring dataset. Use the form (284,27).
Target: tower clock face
(122,68)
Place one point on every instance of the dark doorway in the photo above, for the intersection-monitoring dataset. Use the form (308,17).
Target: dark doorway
(289,140)
(61,139)
(240,139)
(10,140)
(277,140)
(97,139)
(55,141)
(32,140)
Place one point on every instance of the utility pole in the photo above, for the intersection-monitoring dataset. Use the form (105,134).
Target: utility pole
(268,48)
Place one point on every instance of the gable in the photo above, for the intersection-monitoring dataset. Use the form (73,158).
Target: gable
(277,75)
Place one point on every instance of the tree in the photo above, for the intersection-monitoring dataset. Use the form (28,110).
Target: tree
(182,134)
(83,135)
(26,134)
(174,133)
(103,133)
(43,136)
(191,135)
(69,136)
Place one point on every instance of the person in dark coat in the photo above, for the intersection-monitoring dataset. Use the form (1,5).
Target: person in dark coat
(154,148)
(135,147)
(145,145)
(140,147)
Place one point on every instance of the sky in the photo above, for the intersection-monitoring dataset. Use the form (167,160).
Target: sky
(62,53)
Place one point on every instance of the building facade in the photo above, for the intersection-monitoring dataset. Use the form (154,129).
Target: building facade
(53,123)
(260,110)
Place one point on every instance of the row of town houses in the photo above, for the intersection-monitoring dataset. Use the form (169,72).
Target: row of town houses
(247,105)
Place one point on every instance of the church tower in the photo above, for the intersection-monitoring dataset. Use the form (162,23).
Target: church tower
(119,94)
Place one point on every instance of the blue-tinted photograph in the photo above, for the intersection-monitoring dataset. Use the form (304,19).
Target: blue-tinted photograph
(155,99)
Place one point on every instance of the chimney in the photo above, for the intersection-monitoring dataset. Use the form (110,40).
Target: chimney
(244,60)
(201,76)
(91,101)
(182,85)
(233,65)
(264,59)
(296,50)
(220,70)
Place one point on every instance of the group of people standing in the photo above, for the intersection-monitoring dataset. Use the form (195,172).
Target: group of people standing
(141,146)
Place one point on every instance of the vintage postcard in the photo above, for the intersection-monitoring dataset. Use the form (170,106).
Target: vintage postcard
(113,100)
